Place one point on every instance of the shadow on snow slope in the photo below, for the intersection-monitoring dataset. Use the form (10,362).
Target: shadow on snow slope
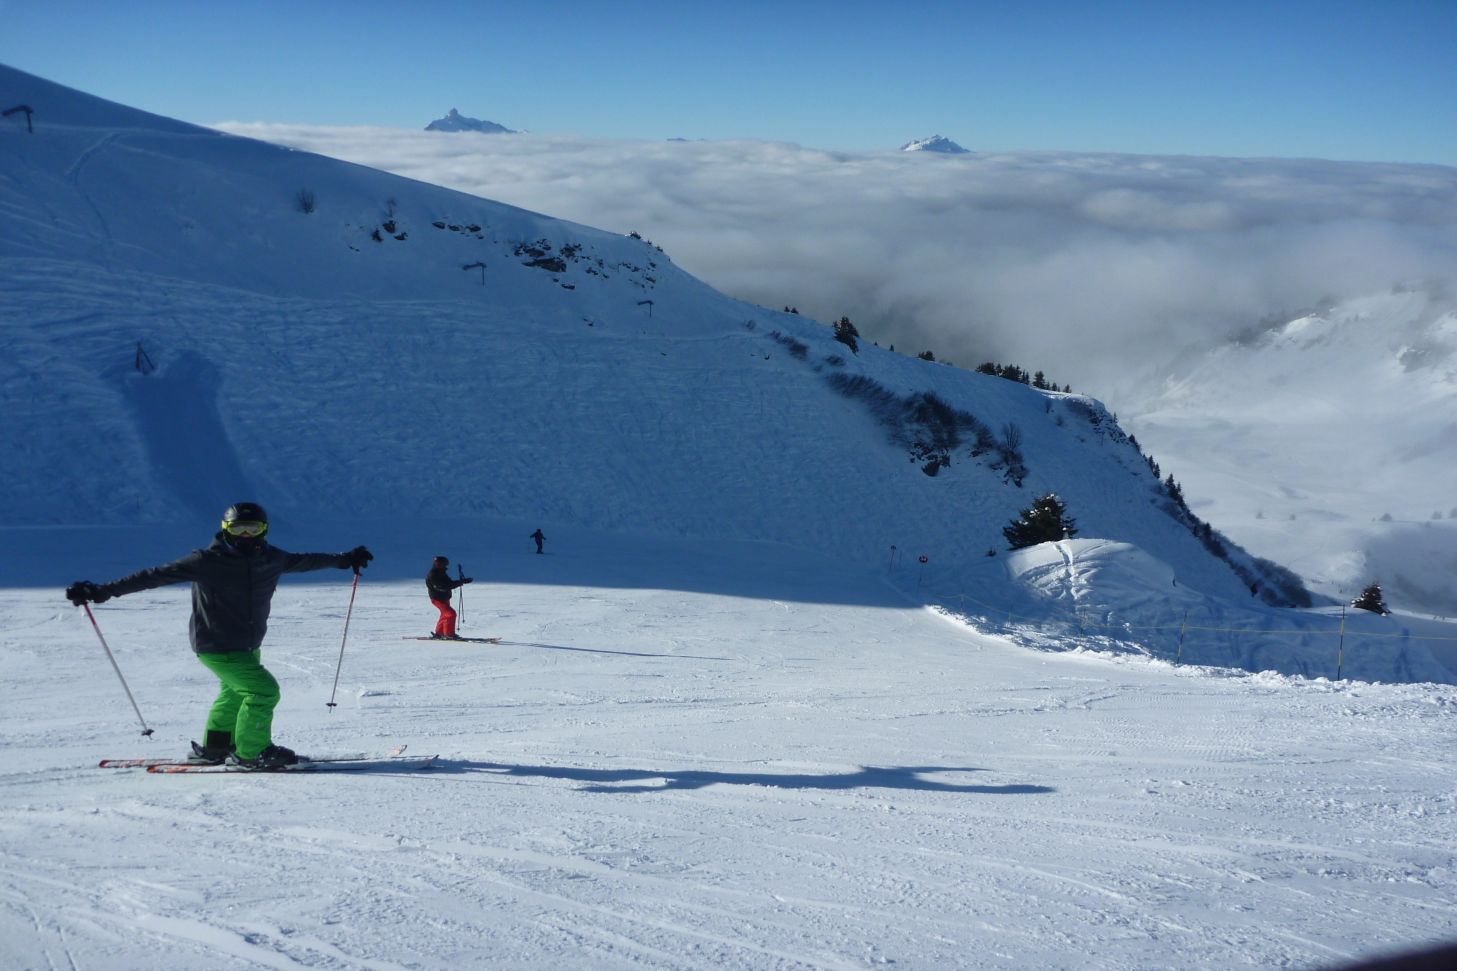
(177,412)
(864,777)
(491,553)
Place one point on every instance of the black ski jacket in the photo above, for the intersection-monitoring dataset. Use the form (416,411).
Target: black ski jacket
(232,592)
(438,582)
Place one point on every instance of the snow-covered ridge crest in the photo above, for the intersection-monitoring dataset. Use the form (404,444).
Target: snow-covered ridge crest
(340,343)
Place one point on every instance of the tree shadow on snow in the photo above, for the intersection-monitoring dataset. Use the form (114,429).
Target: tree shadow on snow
(865,777)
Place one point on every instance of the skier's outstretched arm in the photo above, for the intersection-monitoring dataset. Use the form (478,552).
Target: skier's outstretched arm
(184,570)
(357,558)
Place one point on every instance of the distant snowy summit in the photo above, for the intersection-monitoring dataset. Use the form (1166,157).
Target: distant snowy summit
(455,121)
(936,143)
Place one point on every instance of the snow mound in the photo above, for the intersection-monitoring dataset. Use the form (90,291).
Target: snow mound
(1114,596)
(1091,573)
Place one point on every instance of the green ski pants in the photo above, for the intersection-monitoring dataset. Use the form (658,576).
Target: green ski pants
(245,702)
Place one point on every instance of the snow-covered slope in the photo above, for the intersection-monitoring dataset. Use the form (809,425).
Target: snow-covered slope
(1110,272)
(195,317)
(787,766)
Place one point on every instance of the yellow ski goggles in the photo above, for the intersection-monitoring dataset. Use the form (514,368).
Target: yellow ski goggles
(245,527)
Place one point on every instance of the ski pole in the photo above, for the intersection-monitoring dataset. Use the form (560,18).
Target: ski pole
(344,640)
(460,575)
(115,667)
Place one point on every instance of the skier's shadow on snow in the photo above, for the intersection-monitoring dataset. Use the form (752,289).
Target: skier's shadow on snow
(865,777)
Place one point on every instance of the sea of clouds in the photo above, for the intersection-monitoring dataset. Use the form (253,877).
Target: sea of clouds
(1097,269)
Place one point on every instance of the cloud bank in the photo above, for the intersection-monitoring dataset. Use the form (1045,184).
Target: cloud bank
(1092,268)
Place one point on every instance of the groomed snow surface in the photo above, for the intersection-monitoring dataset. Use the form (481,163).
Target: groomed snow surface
(665,765)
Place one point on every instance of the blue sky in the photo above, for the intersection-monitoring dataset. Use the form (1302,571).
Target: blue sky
(1344,79)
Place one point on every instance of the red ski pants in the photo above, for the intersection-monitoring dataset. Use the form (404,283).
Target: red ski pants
(445,627)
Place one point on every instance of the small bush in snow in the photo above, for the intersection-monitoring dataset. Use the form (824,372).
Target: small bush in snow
(797,348)
(925,425)
(1010,448)
(305,200)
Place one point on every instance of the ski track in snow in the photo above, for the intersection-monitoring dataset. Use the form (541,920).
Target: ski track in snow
(651,778)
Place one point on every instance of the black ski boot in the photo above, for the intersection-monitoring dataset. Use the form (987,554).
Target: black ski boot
(214,750)
(271,758)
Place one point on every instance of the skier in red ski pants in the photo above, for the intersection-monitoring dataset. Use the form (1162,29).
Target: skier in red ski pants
(440,585)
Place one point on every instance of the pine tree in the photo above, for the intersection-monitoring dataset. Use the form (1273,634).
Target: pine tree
(1370,599)
(1042,522)
(1175,492)
(846,333)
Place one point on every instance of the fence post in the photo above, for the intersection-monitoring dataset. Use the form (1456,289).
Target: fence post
(1341,645)
(1183,626)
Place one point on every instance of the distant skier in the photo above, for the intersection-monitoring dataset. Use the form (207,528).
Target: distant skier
(540,538)
(233,582)
(440,585)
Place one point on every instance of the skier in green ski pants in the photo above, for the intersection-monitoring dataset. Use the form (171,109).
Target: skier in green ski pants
(243,711)
(233,582)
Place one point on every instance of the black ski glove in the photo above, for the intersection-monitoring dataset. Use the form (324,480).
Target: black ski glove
(83,591)
(358,558)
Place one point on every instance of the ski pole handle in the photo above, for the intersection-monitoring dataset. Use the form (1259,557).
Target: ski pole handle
(115,667)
